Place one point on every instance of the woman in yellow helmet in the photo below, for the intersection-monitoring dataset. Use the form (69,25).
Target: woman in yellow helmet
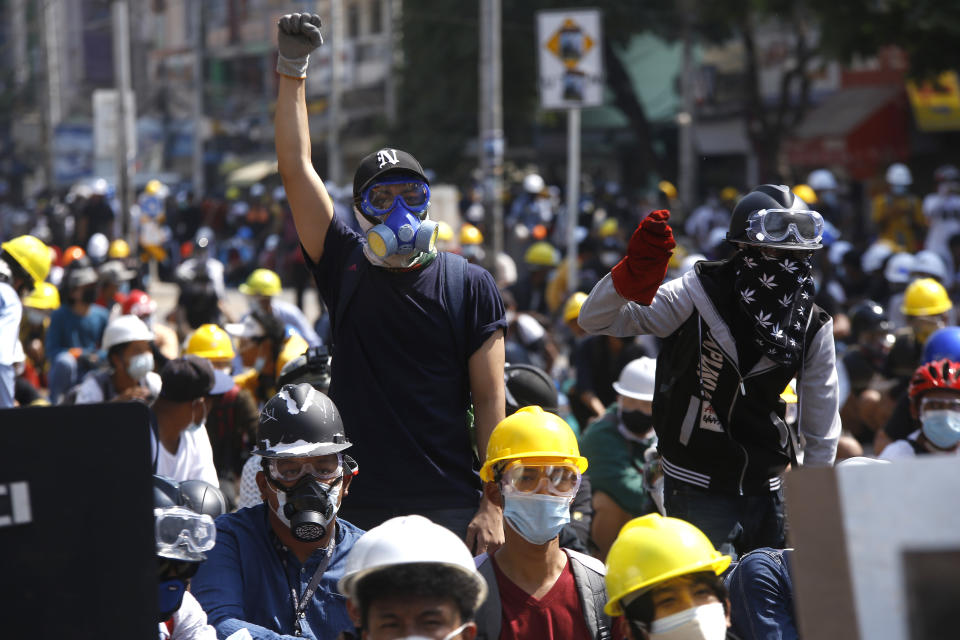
(663,577)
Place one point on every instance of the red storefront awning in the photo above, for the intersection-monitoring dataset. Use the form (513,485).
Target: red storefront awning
(862,129)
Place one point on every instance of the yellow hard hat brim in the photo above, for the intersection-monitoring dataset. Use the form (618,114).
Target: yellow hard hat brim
(718,565)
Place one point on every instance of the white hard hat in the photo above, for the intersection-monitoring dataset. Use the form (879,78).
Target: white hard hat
(899,267)
(837,250)
(125,329)
(407,540)
(97,247)
(931,264)
(821,180)
(529,329)
(898,174)
(872,259)
(505,270)
(637,379)
(533,183)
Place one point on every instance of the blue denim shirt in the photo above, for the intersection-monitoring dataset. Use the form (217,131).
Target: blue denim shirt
(761,596)
(242,583)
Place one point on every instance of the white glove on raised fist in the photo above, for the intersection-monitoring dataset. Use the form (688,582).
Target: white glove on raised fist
(297,35)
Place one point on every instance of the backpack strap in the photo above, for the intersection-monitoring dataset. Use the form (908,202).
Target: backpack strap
(588,576)
(356,266)
(454,274)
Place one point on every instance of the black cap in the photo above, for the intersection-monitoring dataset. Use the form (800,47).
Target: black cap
(186,379)
(382,162)
(527,385)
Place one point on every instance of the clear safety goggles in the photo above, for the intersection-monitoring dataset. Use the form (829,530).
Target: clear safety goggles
(324,469)
(379,199)
(939,404)
(178,528)
(527,479)
(777,225)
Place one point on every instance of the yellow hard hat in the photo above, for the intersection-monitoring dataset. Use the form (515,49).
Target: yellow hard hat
(805,193)
(729,194)
(118,249)
(531,433)
(469,234)
(571,310)
(925,297)
(668,188)
(211,342)
(444,231)
(262,282)
(31,254)
(232,193)
(542,254)
(653,549)
(44,296)
(609,227)
(153,188)
(293,347)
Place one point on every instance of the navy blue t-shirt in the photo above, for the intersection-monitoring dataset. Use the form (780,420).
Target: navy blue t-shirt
(398,380)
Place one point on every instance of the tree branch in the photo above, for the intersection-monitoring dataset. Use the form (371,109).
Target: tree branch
(626,99)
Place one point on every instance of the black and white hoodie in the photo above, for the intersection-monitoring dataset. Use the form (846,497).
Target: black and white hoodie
(720,428)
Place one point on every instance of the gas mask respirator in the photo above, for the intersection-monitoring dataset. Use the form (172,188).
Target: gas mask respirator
(400,208)
(308,507)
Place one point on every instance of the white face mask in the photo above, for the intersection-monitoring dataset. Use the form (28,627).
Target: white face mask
(140,365)
(706,622)
(449,636)
(198,425)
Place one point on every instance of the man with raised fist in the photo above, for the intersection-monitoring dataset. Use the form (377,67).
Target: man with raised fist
(736,332)
(417,333)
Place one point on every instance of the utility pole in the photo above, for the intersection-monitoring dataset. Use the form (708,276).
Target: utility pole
(491,141)
(573,195)
(334,155)
(50,16)
(390,82)
(685,119)
(199,42)
(121,72)
(17,16)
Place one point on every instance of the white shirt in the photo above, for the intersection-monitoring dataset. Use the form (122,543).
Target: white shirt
(189,622)
(192,461)
(902,449)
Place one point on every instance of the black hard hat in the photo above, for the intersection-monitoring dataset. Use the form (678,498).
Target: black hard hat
(313,368)
(526,385)
(299,422)
(766,196)
(196,495)
(867,316)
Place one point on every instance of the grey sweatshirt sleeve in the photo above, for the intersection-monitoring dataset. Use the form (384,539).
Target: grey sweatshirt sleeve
(820,401)
(606,311)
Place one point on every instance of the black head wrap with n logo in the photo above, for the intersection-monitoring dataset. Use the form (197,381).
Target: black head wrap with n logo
(776,294)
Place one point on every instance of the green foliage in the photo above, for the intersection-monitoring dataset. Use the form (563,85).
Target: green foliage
(927,30)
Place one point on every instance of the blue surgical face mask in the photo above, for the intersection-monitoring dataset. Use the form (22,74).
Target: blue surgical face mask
(259,363)
(170,597)
(538,518)
(941,427)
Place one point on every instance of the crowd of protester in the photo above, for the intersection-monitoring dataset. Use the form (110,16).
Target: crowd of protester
(507,439)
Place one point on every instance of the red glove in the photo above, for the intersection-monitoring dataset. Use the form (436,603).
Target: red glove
(638,276)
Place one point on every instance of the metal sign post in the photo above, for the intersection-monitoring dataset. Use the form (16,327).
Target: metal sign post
(570,53)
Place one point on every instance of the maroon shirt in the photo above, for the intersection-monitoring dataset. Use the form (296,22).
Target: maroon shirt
(557,616)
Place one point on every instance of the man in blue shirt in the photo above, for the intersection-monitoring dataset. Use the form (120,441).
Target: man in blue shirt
(75,331)
(275,568)
(417,334)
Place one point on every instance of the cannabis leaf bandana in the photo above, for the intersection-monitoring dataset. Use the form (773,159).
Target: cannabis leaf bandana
(776,293)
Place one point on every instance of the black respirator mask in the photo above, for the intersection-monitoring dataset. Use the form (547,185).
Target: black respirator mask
(308,507)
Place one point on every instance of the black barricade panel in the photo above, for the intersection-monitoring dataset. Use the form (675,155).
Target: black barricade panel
(76,523)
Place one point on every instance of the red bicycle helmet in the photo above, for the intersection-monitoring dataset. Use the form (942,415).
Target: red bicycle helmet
(138,303)
(941,374)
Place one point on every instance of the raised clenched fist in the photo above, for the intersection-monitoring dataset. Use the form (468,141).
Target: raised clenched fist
(298,34)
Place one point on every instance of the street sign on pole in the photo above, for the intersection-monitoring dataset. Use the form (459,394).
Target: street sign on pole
(570,53)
